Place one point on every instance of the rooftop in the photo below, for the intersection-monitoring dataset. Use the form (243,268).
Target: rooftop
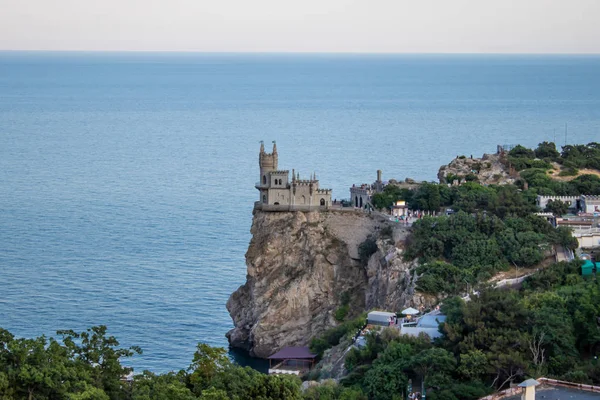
(559,393)
(293,353)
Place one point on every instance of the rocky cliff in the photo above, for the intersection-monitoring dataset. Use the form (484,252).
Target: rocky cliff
(303,266)
(487,170)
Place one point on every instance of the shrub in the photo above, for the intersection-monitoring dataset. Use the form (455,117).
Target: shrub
(471,178)
(333,336)
(366,250)
(569,172)
(341,312)
(387,231)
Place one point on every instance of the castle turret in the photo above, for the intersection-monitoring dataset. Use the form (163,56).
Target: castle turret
(267,163)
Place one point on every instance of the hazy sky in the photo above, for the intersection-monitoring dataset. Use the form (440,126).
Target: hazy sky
(415,26)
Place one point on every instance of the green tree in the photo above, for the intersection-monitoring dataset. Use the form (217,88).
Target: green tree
(89,392)
(547,150)
(207,363)
(150,386)
(386,381)
(100,356)
(558,208)
(472,364)
(213,394)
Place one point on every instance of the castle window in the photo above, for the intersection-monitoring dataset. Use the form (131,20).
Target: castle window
(322,202)
(264,199)
(264,179)
(355,201)
(361,202)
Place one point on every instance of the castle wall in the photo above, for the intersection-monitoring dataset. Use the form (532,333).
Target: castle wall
(281,196)
(571,201)
(360,196)
(591,204)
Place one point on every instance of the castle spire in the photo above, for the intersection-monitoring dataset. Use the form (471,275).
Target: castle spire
(274,147)
(293,175)
(262,146)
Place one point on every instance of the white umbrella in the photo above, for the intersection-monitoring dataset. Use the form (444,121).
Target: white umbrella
(410,311)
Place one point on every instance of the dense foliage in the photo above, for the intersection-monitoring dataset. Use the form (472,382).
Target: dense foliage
(470,197)
(87,366)
(465,249)
(333,336)
(534,164)
(507,199)
(547,328)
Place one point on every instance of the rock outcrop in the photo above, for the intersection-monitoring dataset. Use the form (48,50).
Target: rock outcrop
(490,169)
(303,265)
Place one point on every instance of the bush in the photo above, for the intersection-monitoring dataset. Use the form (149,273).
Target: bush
(568,172)
(471,178)
(450,178)
(333,336)
(387,231)
(341,312)
(366,250)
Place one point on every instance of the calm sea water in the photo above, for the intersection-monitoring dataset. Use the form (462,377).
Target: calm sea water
(126,180)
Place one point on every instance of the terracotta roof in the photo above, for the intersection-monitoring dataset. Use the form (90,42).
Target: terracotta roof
(293,352)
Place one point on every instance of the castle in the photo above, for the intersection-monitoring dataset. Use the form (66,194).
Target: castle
(277,193)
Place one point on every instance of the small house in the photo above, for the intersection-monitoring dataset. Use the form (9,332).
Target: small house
(381,318)
(292,361)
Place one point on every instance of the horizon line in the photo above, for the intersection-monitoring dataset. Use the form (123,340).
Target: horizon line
(191,52)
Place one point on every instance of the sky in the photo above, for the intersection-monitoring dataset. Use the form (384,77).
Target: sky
(347,26)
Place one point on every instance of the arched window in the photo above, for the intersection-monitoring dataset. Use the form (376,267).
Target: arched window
(264,199)
(356,201)
(361,202)
(264,179)
(322,202)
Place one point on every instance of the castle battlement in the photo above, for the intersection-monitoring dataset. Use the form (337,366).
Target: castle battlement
(305,182)
(558,197)
(280,172)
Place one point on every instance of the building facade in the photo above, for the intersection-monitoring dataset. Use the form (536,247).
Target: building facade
(573,202)
(278,193)
(360,195)
(585,203)
(590,204)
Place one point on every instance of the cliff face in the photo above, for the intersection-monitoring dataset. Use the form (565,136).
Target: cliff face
(300,268)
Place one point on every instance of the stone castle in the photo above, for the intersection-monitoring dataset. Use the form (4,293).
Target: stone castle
(277,193)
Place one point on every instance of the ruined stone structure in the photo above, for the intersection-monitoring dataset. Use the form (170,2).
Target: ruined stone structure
(360,195)
(277,193)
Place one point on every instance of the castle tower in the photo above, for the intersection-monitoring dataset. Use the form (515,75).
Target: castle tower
(267,163)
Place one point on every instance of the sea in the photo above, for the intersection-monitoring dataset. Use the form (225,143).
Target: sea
(127,179)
